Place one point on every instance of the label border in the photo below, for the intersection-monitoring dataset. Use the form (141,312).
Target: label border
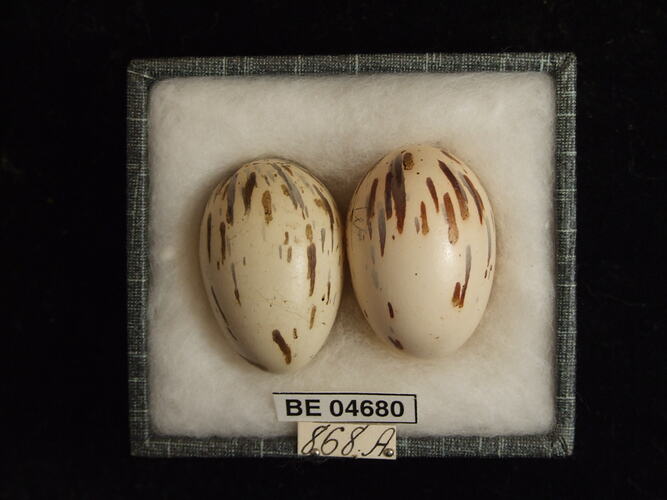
(414,398)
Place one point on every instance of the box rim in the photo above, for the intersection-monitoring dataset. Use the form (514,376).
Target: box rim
(143,73)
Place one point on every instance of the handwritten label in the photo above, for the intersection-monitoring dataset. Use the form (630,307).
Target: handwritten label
(347,440)
(345,407)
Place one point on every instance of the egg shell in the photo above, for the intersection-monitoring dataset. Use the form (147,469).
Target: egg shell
(422,251)
(271,256)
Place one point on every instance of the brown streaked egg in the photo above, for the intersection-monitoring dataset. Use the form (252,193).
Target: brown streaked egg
(271,256)
(422,250)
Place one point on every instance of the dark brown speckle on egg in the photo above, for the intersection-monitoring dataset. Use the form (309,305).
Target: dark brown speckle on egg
(313,310)
(249,187)
(284,348)
(434,194)
(370,209)
(397,344)
(460,194)
(450,218)
(424,218)
(266,203)
(312,263)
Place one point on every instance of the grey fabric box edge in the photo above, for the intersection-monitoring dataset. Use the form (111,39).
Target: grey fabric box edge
(141,74)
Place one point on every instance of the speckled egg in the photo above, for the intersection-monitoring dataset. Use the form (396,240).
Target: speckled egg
(421,247)
(271,255)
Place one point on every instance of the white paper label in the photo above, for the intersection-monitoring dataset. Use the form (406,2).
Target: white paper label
(347,440)
(345,407)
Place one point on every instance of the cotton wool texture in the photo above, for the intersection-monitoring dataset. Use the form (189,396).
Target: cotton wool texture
(201,130)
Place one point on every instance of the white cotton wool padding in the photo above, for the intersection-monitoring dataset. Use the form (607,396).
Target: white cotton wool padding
(502,125)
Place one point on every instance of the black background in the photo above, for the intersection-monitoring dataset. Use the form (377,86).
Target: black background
(62,227)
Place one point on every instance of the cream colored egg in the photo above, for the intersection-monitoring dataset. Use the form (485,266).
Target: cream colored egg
(421,247)
(271,255)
